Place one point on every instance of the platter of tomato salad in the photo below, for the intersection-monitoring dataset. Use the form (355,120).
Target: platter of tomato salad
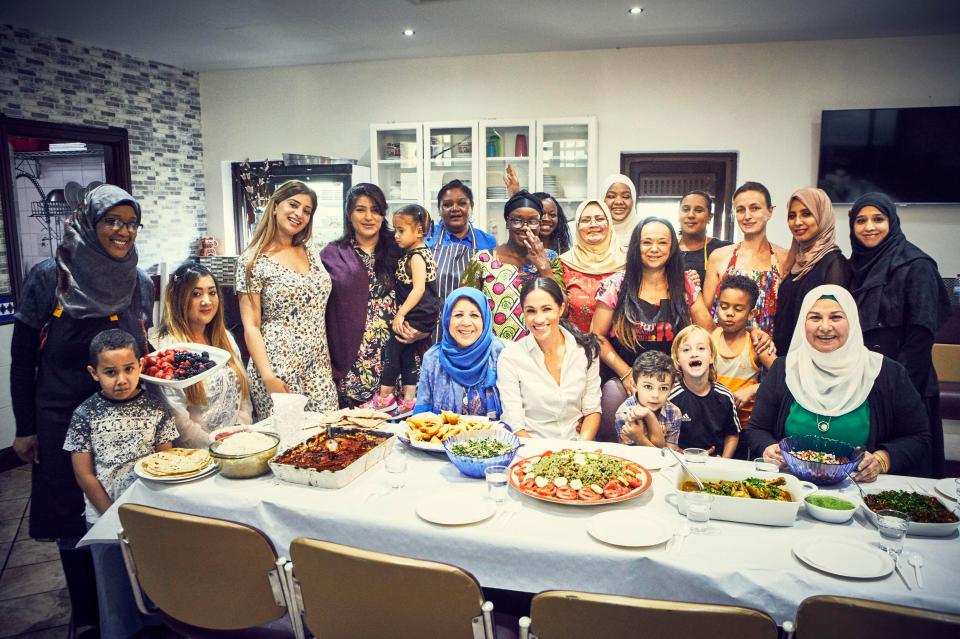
(579,477)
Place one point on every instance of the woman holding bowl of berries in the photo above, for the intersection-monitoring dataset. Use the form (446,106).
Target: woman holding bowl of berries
(192,313)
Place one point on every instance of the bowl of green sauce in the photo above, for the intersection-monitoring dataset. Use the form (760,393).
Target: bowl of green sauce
(829,508)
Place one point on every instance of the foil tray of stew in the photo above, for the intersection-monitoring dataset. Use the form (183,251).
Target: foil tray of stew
(331,459)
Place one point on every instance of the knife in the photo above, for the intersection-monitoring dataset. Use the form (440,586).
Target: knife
(896,564)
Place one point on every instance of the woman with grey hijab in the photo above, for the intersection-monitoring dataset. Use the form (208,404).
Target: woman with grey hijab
(93,284)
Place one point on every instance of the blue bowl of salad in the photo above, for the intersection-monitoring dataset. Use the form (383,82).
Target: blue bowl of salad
(473,452)
(820,460)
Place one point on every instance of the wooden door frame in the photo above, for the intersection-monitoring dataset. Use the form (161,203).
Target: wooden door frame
(723,223)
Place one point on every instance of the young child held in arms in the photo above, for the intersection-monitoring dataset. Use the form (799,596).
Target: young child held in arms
(709,413)
(108,433)
(647,418)
(419,305)
(738,364)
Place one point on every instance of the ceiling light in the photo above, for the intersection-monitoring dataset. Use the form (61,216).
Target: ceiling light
(635,11)
(408,32)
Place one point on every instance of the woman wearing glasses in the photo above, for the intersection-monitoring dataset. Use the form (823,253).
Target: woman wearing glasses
(93,284)
(501,272)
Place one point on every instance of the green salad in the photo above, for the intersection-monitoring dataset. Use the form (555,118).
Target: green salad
(483,447)
(589,468)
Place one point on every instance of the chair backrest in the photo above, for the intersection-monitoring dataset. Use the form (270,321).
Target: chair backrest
(830,617)
(349,592)
(611,396)
(946,361)
(564,613)
(204,572)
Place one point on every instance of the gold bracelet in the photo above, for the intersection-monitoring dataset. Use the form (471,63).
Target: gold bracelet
(882,463)
(624,376)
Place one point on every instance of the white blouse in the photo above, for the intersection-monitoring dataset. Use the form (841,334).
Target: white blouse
(533,401)
(224,405)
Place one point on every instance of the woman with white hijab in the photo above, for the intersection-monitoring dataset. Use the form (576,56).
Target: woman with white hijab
(830,384)
(620,195)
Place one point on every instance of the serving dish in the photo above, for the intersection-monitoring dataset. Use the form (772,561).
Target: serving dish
(742,509)
(247,465)
(175,465)
(217,355)
(475,423)
(475,466)
(830,515)
(522,483)
(919,529)
(821,474)
(374,450)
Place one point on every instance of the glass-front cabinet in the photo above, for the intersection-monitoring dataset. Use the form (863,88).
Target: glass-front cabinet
(568,160)
(505,142)
(396,166)
(452,151)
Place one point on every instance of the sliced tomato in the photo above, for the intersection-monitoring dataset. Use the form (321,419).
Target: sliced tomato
(528,484)
(633,468)
(633,481)
(586,494)
(518,473)
(548,490)
(613,489)
(566,493)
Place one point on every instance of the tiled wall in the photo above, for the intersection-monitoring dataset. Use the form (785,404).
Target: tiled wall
(47,78)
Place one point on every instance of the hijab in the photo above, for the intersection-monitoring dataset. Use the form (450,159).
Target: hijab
(595,259)
(878,281)
(624,227)
(470,366)
(804,256)
(831,384)
(90,282)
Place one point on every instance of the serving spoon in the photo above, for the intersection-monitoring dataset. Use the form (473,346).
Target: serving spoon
(863,495)
(684,466)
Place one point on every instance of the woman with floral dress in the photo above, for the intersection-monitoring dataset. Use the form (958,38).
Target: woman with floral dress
(596,254)
(283,289)
(362,264)
(501,272)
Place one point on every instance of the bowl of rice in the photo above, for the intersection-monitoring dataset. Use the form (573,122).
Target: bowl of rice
(244,454)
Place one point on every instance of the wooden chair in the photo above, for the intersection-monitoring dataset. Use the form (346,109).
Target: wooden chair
(830,617)
(559,614)
(202,574)
(344,592)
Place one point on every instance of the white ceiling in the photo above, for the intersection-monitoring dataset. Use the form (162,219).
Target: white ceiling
(206,35)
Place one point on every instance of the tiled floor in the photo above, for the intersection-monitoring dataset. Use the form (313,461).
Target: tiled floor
(33,597)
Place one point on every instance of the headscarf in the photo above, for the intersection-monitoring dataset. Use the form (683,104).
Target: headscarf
(91,283)
(804,256)
(470,366)
(879,290)
(595,259)
(831,384)
(625,226)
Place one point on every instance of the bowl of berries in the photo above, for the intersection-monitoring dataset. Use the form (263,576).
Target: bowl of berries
(182,365)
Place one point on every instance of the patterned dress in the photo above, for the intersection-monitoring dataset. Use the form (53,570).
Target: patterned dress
(582,296)
(363,378)
(767,281)
(292,307)
(501,283)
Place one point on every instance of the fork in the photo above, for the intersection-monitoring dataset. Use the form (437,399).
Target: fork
(682,532)
(507,513)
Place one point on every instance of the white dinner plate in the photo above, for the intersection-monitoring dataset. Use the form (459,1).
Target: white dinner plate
(947,487)
(630,528)
(456,508)
(649,458)
(142,474)
(843,557)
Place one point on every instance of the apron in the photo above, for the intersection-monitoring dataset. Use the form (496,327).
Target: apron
(452,260)
(63,383)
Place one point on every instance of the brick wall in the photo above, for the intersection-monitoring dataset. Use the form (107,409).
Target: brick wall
(53,79)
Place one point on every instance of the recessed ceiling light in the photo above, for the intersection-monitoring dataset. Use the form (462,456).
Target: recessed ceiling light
(635,11)
(408,32)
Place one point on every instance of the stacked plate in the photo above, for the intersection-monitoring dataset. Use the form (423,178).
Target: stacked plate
(496,192)
(552,186)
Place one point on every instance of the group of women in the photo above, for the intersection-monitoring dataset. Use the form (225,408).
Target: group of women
(529,330)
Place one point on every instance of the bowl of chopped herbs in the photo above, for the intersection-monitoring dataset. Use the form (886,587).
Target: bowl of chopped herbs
(473,451)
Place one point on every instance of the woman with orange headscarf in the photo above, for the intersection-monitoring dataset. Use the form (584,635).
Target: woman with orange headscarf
(814,259)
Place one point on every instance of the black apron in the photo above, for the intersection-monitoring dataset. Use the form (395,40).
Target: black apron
(63,383)
(451,260)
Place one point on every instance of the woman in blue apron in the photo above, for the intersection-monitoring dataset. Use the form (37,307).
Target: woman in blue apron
(93,284)
(454,240)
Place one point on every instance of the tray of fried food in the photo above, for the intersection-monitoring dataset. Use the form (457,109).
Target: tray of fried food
(354,418)
(427,431)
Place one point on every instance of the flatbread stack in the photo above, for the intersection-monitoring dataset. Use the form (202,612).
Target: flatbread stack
(355,418)
(176,462)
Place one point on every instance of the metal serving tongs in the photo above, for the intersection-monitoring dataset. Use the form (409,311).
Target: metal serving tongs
(684,466)
(858,449)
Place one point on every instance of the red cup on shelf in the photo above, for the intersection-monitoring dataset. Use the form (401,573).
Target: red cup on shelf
(520,146)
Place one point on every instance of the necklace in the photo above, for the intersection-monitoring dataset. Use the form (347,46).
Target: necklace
(823,423)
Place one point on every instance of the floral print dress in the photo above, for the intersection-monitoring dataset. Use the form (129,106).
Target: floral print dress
(292,307)
(582,295)
(363,378)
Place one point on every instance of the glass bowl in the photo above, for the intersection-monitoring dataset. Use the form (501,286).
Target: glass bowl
(474,466)
(817,472)
(246,465)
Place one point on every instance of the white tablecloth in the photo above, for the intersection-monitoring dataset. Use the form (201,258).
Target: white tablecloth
(546,546)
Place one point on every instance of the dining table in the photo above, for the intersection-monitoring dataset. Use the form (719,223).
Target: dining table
(529,545)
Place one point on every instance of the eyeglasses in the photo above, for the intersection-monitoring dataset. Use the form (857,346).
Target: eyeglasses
(517,223)
(116,224)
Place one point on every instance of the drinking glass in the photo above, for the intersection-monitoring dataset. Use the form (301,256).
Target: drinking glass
(766,465)
(395,463)
(496,477)
(695,455)
(892,525)
(698,511)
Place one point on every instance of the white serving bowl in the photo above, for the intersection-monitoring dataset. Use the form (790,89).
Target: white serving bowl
(830,515)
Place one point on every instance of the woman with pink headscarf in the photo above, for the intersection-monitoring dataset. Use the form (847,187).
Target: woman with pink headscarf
(814,259)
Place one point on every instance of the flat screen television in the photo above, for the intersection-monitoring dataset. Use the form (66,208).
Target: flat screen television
(912,155)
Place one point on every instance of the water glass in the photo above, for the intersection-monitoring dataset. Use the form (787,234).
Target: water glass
(496,477)
(766,465)
(892,525)
(698,511)
(395,463)
(695,455)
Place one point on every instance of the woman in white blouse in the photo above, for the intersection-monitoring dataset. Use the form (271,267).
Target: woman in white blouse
(549,381)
